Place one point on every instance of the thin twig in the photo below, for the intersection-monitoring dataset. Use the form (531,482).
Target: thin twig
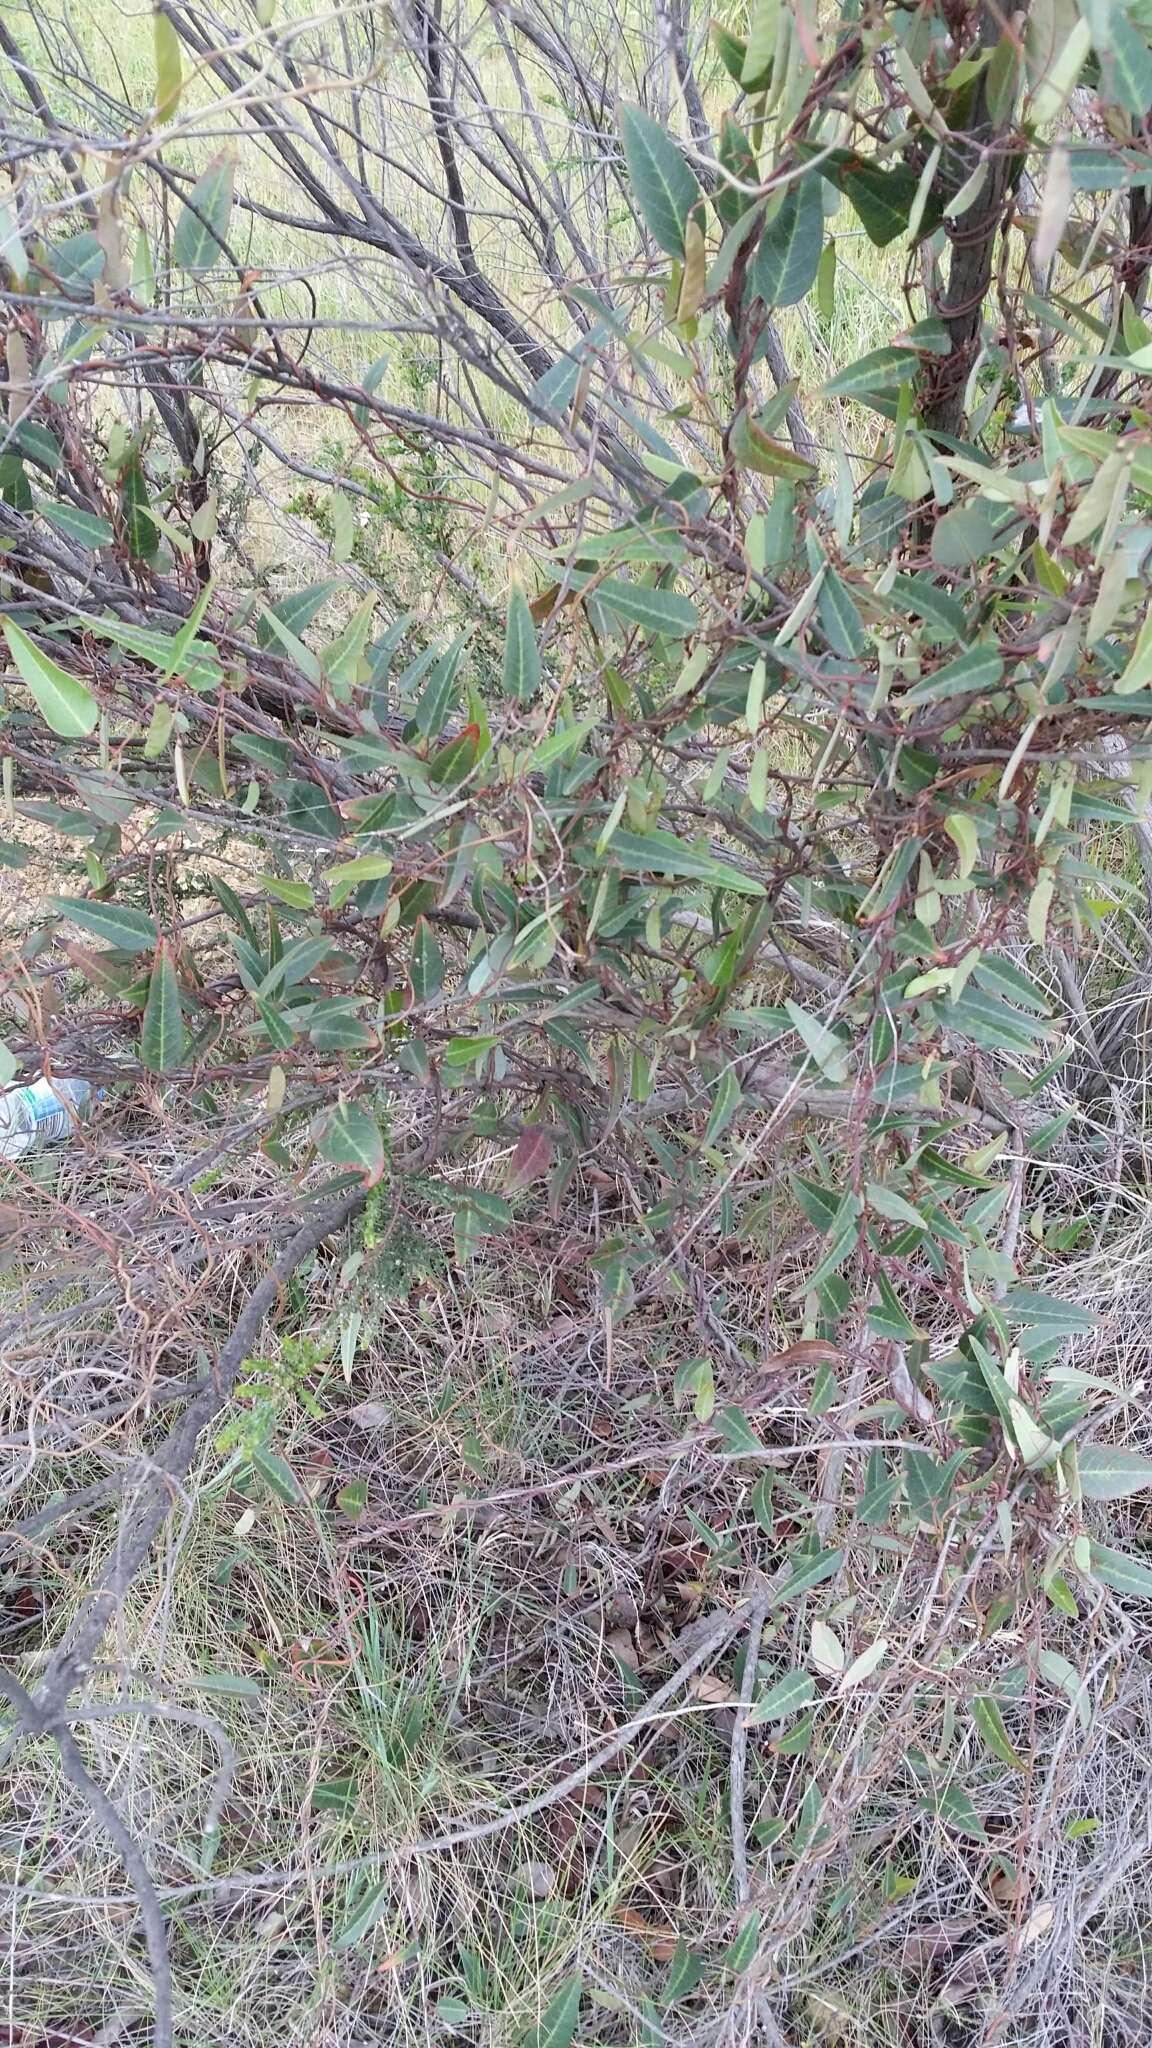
(160,1487)
(38,1720)
(70,1663)
(160,1710)
(739,1755)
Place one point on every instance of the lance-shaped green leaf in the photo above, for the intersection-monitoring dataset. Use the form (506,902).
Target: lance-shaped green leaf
(753,449)
(1126,65)
(169,72)
(989,1722)
(345,660)
(980,670)
(661,854)
(141,529)
(522,667)
(783,270)
(202,229)
(1109,1472)
(657,611)
(556,2027)
(665,188)
(66,705)
(736,155)
(829,1052)
(883,197)
(426,965)
(1122,1572)
(76,524)
(162,1029)
(808,1572)
(881,370)
(296,611)
(376,1901)
(351,1137)
(117,924)
(787,1696)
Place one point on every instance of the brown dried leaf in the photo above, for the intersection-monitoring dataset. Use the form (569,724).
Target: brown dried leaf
(972,1977)
(110,234)
(95,967)
(547,601)
(806,1351)
(371,1415)
(926,1944)
(1006,1889)
(19,377)
(707,1686)
(655,1934)
(1038,1924)
(531,1159)
(910,1397)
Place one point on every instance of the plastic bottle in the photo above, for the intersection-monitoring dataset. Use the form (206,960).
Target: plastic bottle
(42,1113)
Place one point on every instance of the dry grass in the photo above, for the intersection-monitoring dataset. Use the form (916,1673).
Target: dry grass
(369,1679)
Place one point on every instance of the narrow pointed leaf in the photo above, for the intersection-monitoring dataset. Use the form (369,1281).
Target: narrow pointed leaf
(787,1696)
(362,1920)
(352,1137)
(828,1051)
(556,2027)
(980,669)
(808,1572)
(522,667)
(141,529)
(117,924)
(660,853)
(66,705)
(426,966)
(75,524)
(277,1473)
(201,231)
(296,611)
(1109,1472)
(665,188)
(882,370)
(783,270)
(989,1723)
(1121,1572)
(657,611)
(169,69)
(162,1029)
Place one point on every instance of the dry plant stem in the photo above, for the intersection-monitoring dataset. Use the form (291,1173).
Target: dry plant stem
(739,1756)
(35,1720)
(159,1490)
(649,1454)
(207,1723)
(70,1663)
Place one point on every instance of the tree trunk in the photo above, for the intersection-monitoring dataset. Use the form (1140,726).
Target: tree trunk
(973,243)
